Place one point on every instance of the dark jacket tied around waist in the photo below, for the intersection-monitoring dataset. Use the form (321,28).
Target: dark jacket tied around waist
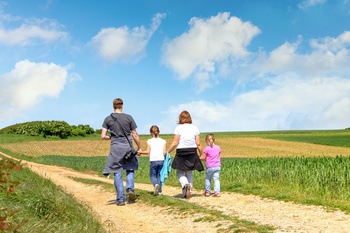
(187,159)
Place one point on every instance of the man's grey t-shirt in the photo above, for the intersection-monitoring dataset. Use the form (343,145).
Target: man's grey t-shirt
(126,121)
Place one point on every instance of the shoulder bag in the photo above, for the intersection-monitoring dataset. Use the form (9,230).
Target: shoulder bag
(132,152)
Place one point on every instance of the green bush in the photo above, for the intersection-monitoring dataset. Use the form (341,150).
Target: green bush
(78,132)
(48,128)
(98,131)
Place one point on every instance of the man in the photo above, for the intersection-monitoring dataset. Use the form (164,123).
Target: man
(121,125)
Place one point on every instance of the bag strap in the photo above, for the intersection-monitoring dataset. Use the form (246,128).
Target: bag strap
(120,126)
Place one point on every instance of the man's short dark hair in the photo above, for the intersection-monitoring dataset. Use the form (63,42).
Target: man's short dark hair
(117,103)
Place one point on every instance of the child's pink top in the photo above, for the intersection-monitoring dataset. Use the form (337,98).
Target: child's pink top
(213,154)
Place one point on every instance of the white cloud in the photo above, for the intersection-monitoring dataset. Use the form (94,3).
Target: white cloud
(215,48)
(207,45)
(27,83)
(328,56)
(46,5)
(337,113)
(29,31)
(293,90)
(282,59)
(122,43)
(308,3)
(29,34)
(288,102)
(74,77)
(297,88)
(332,44)
(4,16)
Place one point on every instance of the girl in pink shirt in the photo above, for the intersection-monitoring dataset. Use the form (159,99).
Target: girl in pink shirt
(212,153)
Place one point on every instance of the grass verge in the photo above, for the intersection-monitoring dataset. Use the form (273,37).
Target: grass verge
(46,206)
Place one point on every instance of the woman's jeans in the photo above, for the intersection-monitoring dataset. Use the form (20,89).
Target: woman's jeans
(119,185)
(185,177)
(154,173)
(215,173)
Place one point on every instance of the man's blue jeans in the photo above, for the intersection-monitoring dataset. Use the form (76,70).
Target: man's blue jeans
(154,173)
(119,185)
(215,173)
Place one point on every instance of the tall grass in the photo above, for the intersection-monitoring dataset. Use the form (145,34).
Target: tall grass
(315,180)
(77,163)
(46,207)
(328,176)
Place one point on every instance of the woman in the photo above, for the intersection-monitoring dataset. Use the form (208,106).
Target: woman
(187,141)
(120,125)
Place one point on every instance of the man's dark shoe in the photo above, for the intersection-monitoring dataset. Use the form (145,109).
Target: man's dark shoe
(120,203)
(132,195)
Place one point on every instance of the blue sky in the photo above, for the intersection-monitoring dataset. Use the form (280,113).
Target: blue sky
(234,65)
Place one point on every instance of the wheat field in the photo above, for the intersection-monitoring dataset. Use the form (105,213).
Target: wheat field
(231,148)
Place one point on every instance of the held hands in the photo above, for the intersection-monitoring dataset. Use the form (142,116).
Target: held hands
(139,152)
(202,157)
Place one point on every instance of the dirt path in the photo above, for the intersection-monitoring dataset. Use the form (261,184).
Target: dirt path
(138,217)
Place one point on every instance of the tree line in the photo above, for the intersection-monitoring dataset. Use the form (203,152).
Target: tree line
(48,128)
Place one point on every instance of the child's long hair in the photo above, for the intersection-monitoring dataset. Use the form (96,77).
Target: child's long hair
(210,137)
(154,130)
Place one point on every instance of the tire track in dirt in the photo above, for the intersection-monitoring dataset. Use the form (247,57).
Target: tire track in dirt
(138,217)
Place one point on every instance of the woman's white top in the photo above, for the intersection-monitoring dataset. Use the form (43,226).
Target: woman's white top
(156,153)
(187,133)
